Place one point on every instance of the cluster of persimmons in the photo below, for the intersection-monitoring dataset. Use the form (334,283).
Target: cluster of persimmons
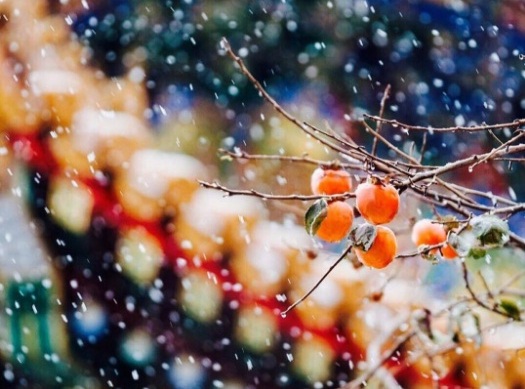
(377,201)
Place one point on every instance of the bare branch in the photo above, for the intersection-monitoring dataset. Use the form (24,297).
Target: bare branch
(386,95)
(425,250)
(326,274)
(362,380)
(462,163)
(509,159)
(269,196)
(423,146)
(495,137)
(240,154)
(485,127)
(513,279)
(476,298)
(361,154)
(498,149)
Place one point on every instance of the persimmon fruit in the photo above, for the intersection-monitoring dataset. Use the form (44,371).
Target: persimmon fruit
(330,181)
(377,203)
(336,225)
(382,251)
(426,232)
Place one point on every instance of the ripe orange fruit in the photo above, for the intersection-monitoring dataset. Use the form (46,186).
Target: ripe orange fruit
(425,232)
(383,249)
(377,203)
(337,222)
(448,252)
(330,181)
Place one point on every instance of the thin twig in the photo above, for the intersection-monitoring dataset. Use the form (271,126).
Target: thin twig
(386,94)
(518,240)
(499,148)
(301,125)
(362,155)
(509,159)
(270,196)
(241,154)
(307,127)
(362,380)
(461,163)
(313,288)
(449,346)
(488,195)
(390,145)
(395,123)
(510,210)
(513,279)
(475,297)
(486,285)
(456,191)
(424,250)
(494,136)
(423,146)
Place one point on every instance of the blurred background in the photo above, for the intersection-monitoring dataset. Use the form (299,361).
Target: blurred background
(449,63)
(118,271)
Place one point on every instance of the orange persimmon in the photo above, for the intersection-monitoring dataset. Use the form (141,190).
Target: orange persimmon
(377,203)
(337,223)
(426,232)
(382,251)
(330,181)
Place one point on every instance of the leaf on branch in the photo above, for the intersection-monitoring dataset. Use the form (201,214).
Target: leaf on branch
(315,215)
(477,253)
(490,230)
(363,236)
(510,308)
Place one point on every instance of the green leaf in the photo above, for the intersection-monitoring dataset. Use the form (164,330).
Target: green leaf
(315,215)
(363,235)
(477,253)
(511,308)
(490,230)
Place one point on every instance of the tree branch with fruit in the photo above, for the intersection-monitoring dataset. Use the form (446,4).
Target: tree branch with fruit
(467,222)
